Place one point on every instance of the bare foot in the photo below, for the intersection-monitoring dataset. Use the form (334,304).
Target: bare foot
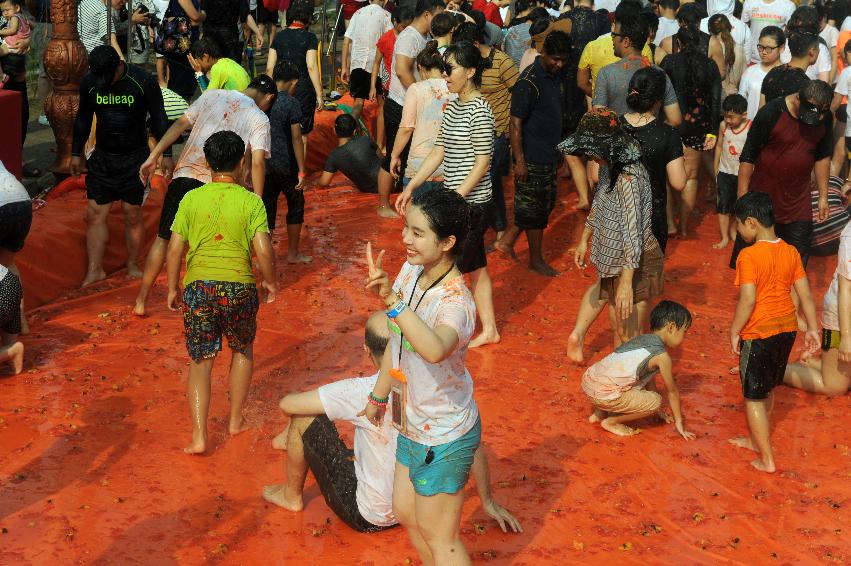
(133,271)
(763,467)
(582,205)
(16,357)
(139,308)
(387,212)
(237,427)
(574,349)
(484,339)
(597,416)
(277,495)
(506,250)
(93,277)
(543,268)
(618,429)
(682,235)
(280,441)
(743,442)
(299,258)
(721,245)
(198,446)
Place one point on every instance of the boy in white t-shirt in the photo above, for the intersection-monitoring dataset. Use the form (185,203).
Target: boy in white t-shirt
(731,139)
(769,45)
(367,25)
(763,13)
(356,484)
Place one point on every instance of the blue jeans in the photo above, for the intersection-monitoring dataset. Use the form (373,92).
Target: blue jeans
(499,168)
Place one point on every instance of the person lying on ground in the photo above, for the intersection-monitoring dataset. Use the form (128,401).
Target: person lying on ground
(355,156)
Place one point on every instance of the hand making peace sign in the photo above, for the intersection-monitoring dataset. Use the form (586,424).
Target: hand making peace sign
(377,278)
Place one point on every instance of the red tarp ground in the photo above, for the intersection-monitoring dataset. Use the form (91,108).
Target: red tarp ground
(91,434)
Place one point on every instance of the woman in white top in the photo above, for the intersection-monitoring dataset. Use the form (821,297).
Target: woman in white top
(769,46)
(831,375)
(15,221)
(433,314)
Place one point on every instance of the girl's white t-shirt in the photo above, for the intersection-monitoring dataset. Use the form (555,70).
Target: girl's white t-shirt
(440,405)
(750,86)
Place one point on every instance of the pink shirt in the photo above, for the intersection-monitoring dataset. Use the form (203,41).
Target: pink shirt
(423,110)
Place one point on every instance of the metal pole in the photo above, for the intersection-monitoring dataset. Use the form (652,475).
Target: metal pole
(325,35)
(129,29)
(108,22)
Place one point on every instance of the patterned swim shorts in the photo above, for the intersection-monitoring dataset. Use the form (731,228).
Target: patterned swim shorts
(215,308)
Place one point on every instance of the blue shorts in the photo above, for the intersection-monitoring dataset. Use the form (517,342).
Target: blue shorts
(450,467)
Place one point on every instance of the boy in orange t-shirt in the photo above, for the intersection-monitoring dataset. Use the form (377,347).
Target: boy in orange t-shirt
(764,327)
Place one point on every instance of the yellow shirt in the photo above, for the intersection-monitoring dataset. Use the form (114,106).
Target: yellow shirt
(601,52)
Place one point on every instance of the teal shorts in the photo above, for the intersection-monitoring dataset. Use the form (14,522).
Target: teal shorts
(448,470)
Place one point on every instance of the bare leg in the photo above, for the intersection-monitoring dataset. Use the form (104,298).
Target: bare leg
(615,423)
(404,507)
(834,377)
(724,227)
(483,296)
(302,404)
(379,126)
(759,423)
(241,366)
(439,521)
(291,494)
(293,241)
(580,179)
(97,235)
(280,441)
(153,266)
(385,187)
(669,212)
(597,415)
(134,233)
(689,195)
(198,393)
(505,243)
(589,309)
(7,258)
(536,254)
(706,159)
(357,108)
(12,351)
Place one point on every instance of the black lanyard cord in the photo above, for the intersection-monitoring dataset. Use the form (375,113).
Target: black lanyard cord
(411,298)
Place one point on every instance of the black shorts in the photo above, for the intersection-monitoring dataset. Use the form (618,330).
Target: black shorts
(113,177)
(728,187)
(307,100)
(799,235)
(535,198)
(264,16)
(10,304)
(177,189)
(359,83)
(332,463)
(762,364)
(13,64)
(15,221)
(392,120)
(474,256)
(278,182)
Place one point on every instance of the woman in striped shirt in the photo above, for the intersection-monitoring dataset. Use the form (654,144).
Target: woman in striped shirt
(464,147)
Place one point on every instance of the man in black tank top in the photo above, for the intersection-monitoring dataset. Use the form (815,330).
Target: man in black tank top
(122,97)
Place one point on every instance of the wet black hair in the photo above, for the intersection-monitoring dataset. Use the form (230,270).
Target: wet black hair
(468,31)
(402,14)
(521,6)
(775,33)
(756,205)
(801,42)
(735,103)
(651,21)
(646,88)
(442,24)
(207,46)
(430,58)
(697,79)
(300,11)
(838,11)
(424,6)
(669,311)
(345,126)
(632,27)
(540,25)
(285,70)
(374,341)
(103,63)
(689,15)
(627,9)
(557,44)
(669,4)
(804,19)
(223,150)
(448,214)
(816,92)
(537,14)
(468,56)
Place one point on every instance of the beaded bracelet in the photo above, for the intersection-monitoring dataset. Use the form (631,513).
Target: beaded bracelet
(377,401)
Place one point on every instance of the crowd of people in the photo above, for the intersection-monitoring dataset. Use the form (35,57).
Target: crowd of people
(640,105)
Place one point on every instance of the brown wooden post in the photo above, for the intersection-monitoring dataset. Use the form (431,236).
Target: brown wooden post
(65,62)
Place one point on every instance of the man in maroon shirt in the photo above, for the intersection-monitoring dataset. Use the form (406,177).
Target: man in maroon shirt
(790,138)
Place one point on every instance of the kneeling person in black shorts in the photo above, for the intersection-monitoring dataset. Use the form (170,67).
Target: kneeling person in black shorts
(356,484)
(122,96)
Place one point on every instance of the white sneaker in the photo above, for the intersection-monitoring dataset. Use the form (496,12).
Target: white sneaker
(43,120)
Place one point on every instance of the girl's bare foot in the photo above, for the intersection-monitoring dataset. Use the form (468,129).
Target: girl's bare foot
(387,212)
(485,338)
(763,467)
(299,258)
(277,495)
(574,348)
(280,441)
(16,357)
(235,427)
(133,271)
(743,442)
(505,250)
(198,446)
(619,429)
(597,416)
(721,245)
(139,308)
(93,277)
(582,205)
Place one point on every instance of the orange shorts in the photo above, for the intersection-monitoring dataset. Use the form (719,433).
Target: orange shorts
(630,402)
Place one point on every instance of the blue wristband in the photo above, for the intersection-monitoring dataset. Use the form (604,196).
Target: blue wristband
(397,309)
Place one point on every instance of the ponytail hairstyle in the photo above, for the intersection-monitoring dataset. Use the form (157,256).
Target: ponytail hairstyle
(430,58)
(468,56)
(448,214)
(719,25)
(646,88)
(696,78)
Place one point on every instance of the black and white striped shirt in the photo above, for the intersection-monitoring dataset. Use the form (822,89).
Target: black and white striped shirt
(466,131)
(92,24)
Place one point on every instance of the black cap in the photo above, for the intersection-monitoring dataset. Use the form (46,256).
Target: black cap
(103,62)
(809,113)
(263,84)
